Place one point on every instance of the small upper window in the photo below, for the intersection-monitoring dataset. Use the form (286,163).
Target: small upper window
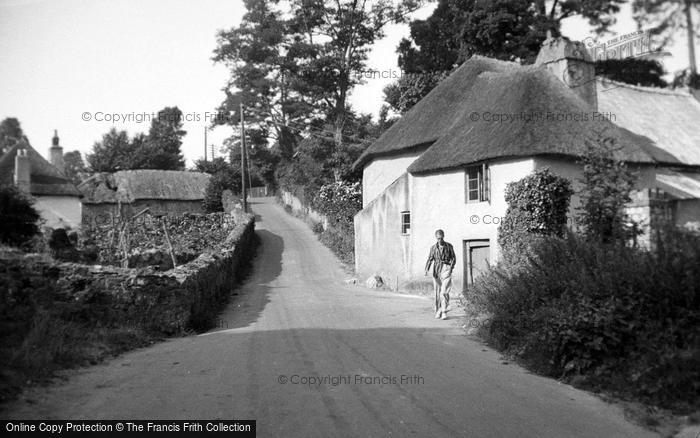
(405,222)
(476,184)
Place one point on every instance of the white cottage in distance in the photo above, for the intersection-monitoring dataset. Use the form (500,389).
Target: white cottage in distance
(445,164)
(56,198)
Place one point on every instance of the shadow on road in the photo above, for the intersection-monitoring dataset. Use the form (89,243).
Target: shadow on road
(268,263)
(252,297)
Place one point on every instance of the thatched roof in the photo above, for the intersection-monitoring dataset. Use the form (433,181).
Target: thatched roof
(45,179)
(649,125)
(670,118)
(430,118)
(549,120)
(127,186)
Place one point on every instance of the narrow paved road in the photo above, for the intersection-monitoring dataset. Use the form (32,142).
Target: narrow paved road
(295,318)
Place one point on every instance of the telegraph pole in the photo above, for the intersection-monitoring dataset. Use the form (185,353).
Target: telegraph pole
(205,144)
(243,157)
(691,39)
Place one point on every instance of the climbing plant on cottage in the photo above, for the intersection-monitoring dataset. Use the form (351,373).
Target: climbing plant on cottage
(339,201)
(537,205)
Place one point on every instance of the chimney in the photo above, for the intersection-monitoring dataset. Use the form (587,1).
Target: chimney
(22,170)
(571,63)
(56,153)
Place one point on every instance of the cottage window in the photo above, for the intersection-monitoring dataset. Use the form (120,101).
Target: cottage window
(405,222)
(477,183)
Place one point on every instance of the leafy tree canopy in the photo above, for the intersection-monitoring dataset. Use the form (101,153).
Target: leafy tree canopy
(74,166)
(160,149)
(226,179)
(295,68)
(636,71)
(511,30)
(114,152)
(211,166)
(10,131)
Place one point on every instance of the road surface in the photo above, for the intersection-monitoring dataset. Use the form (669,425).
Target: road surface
(293,321)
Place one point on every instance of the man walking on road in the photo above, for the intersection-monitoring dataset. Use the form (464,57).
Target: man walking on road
(442,256)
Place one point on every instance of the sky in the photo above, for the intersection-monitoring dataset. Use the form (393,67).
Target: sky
(71,65)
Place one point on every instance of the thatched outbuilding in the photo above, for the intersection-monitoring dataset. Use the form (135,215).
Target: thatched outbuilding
(127,192)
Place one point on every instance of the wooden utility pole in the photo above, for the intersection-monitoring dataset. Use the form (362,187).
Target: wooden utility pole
(243,191)
(691,38)
(205,144)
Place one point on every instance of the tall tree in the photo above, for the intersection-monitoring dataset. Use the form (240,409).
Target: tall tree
(511,30)
(333,40)
(114,152)
(228,178)
(637,71)
(666,18)
(262,162)
(433,45)
(75,168)
(212,166)
(503,29)
(319,160)
(411,88)
(161,148)
(263,72)
(599,13)
(295,69)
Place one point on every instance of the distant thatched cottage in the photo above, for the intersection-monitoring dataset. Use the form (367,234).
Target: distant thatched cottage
(56,198)
(445,164)
(162,191)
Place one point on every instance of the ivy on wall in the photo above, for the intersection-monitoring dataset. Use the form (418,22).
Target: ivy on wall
(537,205)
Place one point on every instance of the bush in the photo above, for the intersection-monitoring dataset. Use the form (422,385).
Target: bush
(61,246)
(338,201)
(607,184)
(317,228)
(612,316)
(340,238)
(229,179)
(18,218)
(537,206)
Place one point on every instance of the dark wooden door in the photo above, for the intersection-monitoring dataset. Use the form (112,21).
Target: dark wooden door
(476,259)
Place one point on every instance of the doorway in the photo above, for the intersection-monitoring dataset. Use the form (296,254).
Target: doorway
(476,259)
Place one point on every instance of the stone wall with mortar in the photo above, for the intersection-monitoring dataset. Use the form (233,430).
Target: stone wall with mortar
(301,209)
(163,303)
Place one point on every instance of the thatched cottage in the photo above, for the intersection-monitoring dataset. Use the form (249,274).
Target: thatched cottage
(445,164)
(128,192)
(56,198)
